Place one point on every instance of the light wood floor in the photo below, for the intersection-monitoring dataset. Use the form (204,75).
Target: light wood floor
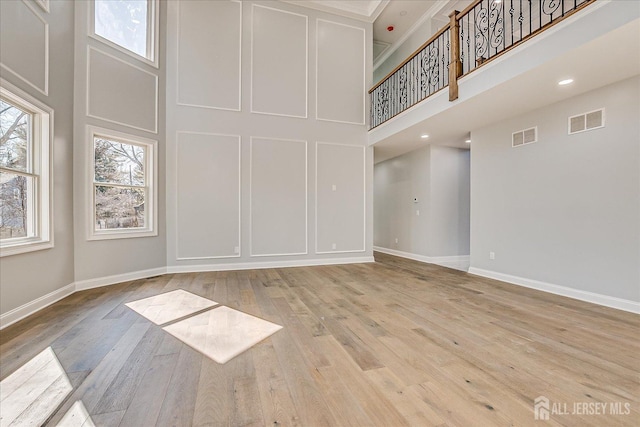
(393,343)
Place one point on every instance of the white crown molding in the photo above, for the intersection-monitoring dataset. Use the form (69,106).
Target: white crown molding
(367,11)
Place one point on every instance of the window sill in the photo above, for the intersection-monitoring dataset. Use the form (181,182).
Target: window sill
(123,234)
(25,247)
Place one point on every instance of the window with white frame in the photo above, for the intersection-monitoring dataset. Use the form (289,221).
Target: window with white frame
(130,25)
(123,188)
(25,141)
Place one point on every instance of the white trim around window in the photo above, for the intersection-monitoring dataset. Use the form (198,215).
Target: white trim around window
(153,24)
(39,171)
(149,186)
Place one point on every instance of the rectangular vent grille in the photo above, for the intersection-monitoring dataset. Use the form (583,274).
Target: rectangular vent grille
(586,121)
(524,137)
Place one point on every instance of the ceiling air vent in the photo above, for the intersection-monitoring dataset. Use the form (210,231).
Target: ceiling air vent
(586,121)
(524,137)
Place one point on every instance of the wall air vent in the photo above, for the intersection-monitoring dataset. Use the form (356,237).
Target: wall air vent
(523,137)
(586,121)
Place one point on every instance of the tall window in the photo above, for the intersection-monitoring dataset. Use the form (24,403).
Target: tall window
(25,140)
(123,190)
(129,24)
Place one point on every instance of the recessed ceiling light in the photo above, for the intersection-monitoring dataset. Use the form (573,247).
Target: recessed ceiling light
(468,140)
(565,82)
(425,136)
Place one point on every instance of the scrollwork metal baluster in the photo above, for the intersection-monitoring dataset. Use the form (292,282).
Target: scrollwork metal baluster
(482,33)
(496,26)
(549,7)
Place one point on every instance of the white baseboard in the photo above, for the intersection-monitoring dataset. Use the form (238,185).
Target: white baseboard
(19,313)
(266,264)
(605,300)
(83,285)
(13,316)
(453,261)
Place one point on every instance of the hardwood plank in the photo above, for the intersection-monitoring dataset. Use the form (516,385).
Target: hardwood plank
(396,342)
(180,398)
(275,398)
(147,401)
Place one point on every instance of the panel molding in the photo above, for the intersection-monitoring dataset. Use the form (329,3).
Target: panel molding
(306,196)
(44,4)
(184,104)
(306,92)
(45,90)
(364,200)
(239,254)
(364,89)
(88,91)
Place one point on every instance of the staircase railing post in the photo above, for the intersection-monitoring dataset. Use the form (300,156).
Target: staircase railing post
(455,66)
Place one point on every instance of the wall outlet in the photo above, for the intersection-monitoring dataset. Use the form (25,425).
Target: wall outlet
(334,187)
(236,250)
(396,240)
(333,246)
(492,255)
(417,213)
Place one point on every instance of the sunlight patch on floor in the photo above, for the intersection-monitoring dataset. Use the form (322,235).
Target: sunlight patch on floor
(170,306)
(222,333)
(33,392)
(76,416)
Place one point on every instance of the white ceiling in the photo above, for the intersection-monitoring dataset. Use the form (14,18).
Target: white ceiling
(404,15)
(612,57)
(407,15)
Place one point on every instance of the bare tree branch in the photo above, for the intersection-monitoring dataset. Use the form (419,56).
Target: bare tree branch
(5,137)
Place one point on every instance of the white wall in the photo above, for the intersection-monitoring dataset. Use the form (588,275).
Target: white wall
(450,200)
(437,225)
(114,91)
(396,183)
(27,277)
(564,211)
(273,96)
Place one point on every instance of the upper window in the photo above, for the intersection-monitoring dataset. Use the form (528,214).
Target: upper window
(123,193)
(129,24)
(24,172)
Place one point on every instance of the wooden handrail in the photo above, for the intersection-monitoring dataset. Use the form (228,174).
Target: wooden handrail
(528,36)
(413,55)
(467,9)
(457,52)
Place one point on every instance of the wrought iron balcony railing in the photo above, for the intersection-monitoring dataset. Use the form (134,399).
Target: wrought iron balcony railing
(483,31)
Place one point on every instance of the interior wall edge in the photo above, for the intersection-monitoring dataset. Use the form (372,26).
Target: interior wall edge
(444,261)
(592,297)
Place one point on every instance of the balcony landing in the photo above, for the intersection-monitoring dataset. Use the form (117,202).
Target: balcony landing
(597,47)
